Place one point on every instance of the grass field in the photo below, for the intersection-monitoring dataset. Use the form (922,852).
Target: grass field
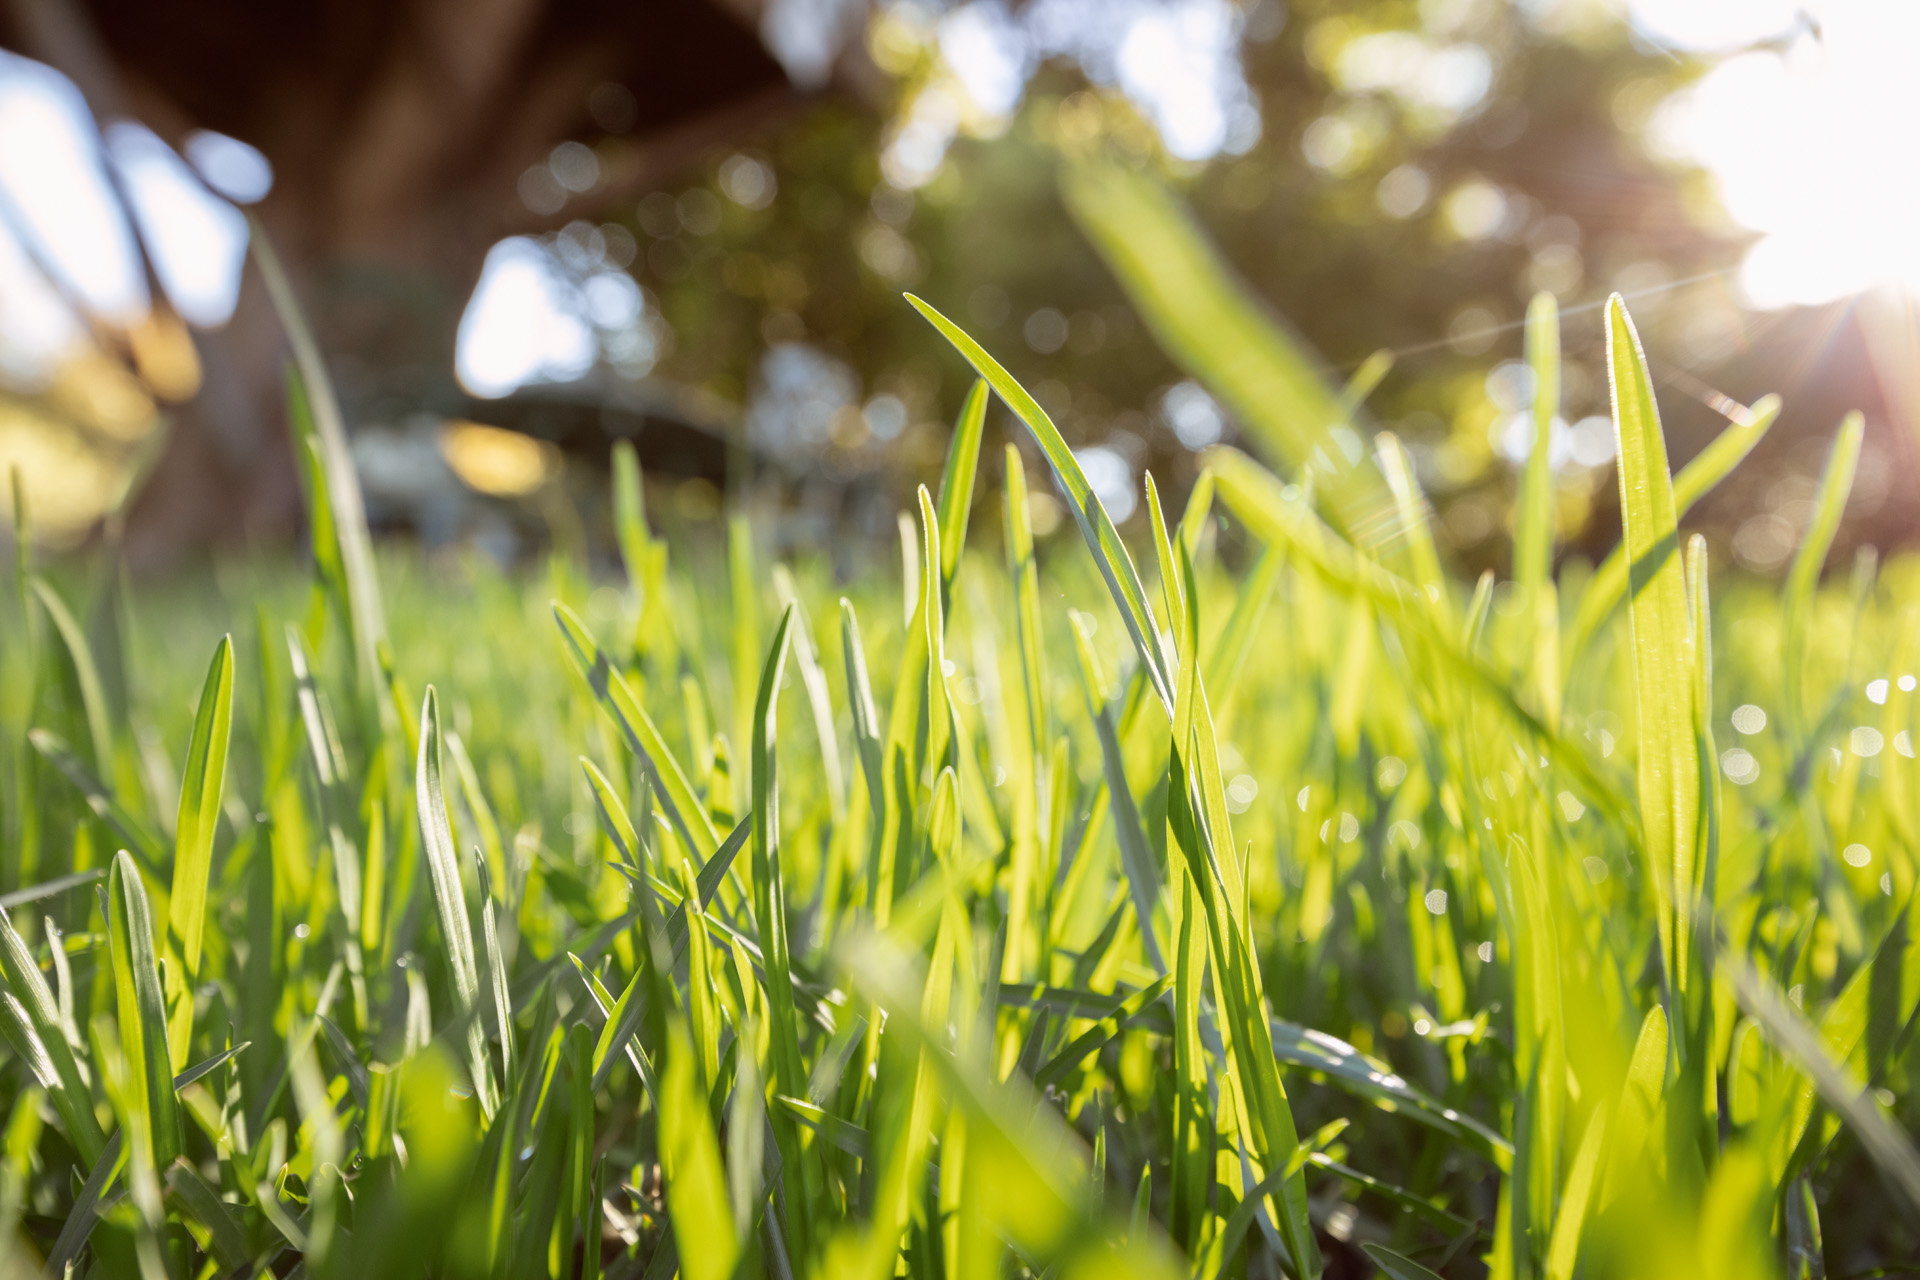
(1242,898)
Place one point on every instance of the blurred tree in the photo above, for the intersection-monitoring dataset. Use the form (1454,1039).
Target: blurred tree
(405,139)
(1413,173)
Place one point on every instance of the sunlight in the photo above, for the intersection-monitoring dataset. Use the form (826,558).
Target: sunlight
(523,324)
(1808,143)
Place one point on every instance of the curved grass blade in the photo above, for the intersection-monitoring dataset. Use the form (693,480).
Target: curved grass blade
(93,700)
(616,698)
(770,910)
(1889,1148)
(956,481)
(39,1014)
(1397,1266)
(142,840)
(1708,468)
(51,888)
(142,1021)
(197,1200)
(201,788)
(315,410)
(443,865)
(1668,764)
(85,1214)
(1109,553)
(1349,1069)
(1211,326)
(625,1017)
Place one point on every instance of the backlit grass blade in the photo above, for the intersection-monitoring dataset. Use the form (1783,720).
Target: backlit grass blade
(443,865)
(496,969)
(1563,1248)
(814,680)
(31,1009)
(770,910)
(1836,482)
(866,720)
(1025,572)
(486,826)
(1533,522)
(1890,1149)
(201,788)
(1708,468)
(154,1114)
(703,1225)
(1396,1266)
(1533,531)
(227,1243)
(956,481)
(311,395)
(1668,766)
(670,783)
(1207,321)
(1025,1167)
(1109,553)
(1413,521)
(93,699)
(1136,852)
(625,1017)
(1257,498)
(1366,1077)
(142,840)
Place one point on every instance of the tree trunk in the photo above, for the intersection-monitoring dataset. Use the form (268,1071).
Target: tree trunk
(398,133)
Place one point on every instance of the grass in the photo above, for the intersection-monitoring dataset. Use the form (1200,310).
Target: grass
(1266,904)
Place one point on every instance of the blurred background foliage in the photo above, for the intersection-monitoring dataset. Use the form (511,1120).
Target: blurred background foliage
(717,272)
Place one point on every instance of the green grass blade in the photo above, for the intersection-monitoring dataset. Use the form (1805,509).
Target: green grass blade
(142,1022)
(142,840)
(1885,1144)
(1109,553)
(1136,852)
(770,911)
(670,783)
(201,789)
(867,742)
(1563,1248)
(703,1223)
(31,1009)
(1668,766)
(1533,532)
(1397,1266)
(956,481)
(84,1216)
(311,395)
(1707,469)
(443,865)
(1212,327)
(93,698)
(200,1202)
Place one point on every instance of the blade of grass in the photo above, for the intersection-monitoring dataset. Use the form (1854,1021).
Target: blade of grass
(610,689)
(31,1008)
(1707,469)
(201,789)
(142,1020)
(443,865)
(1109,553)
(1211,326)
(1668,767)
